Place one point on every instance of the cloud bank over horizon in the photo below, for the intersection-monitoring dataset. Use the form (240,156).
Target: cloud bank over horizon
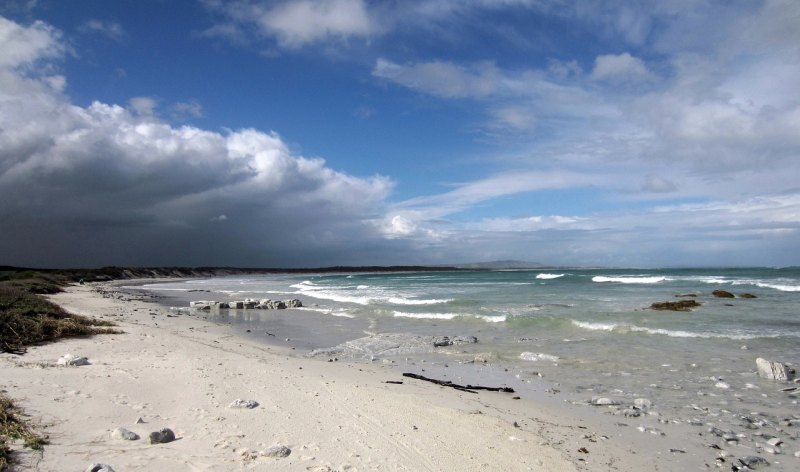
(669,149)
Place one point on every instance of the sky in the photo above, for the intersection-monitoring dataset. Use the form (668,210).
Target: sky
(310,133)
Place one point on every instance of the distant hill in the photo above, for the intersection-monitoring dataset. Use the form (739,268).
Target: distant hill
(495,265)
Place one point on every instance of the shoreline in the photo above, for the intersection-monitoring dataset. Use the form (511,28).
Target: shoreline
(183,372)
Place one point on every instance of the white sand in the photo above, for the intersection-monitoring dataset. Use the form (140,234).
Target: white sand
(182,373)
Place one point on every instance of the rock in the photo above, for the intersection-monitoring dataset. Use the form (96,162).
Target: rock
(239,403)
(753,462)
(653,431)
(773,370)
(680,305)
(163,436)
(139,420)
(70,359)
(722,294)
(122,433)
(277,451)
(99,468)
(293,303)
(642,403)
(236,305)
(722,385)
(747,295)
(631,412)
(604,401)
(774,442)
(442,341)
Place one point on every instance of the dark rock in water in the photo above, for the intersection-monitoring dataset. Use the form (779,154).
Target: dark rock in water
(747,295)
(163,436)
(722,294)
(685,295)
(681,305)
(753,462)
(99,468)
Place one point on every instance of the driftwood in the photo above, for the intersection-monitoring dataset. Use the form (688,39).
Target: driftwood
(463,388)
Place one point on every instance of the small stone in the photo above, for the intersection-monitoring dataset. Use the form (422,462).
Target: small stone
(140,420)
(604,401)
(797,454)
(99,468)
(774,442)
(239,403)
(631,413)
(122,433)
(722,385)
(72,360)
(642,403)
(753,462)
(163,436)
(277,451)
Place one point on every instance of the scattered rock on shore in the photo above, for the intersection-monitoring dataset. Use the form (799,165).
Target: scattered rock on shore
(276,451)
(162,436)
(753,462)
(239,403)
(246,304)
(99,468)
(773,370)
(72,360)
(122,433)
(442,341)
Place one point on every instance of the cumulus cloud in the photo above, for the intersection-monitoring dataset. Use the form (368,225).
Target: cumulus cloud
(295,23)
(620,68)
(86,185)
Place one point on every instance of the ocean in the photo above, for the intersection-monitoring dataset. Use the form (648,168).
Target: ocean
(584,333)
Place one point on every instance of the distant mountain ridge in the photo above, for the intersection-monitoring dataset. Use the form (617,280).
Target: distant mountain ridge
(507,264)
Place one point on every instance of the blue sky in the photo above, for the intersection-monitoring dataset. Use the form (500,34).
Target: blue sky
(322,132)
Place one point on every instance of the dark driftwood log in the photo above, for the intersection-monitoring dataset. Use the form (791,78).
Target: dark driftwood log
(463,388)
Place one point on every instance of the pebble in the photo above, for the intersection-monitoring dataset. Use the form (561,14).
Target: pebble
(163,436)
(753,462)
(122,433)
(653,431)
(99,468)
(276,451)
(239,403)
(722,385)
(642,403)
(603,401)
(774,442)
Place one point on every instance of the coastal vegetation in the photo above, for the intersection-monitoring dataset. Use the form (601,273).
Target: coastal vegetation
(27,318)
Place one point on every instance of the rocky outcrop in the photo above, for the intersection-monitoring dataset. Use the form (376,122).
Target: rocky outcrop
(680,305)
(442,341)
(722,294)
(246,304)
(773,370)
(747,295)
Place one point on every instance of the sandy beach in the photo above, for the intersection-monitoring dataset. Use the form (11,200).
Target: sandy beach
(183,373)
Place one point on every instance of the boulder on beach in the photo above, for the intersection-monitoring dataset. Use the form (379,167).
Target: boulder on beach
(680,305)
(774,370)
(162,436)
(722,294)
(122,433)
(441,341)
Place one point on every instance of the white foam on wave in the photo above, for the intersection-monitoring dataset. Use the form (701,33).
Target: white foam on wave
(492,319)
(432,316)
(538,356)
(626,328)
(545,276)
(782,288)
(362,287)
(629,280)
(411,301)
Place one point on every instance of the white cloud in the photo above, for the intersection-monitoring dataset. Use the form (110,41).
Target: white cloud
(620,68)
(144,106)
(295,23)
(187,109)
(110,29)
(22,46)
(443,79)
